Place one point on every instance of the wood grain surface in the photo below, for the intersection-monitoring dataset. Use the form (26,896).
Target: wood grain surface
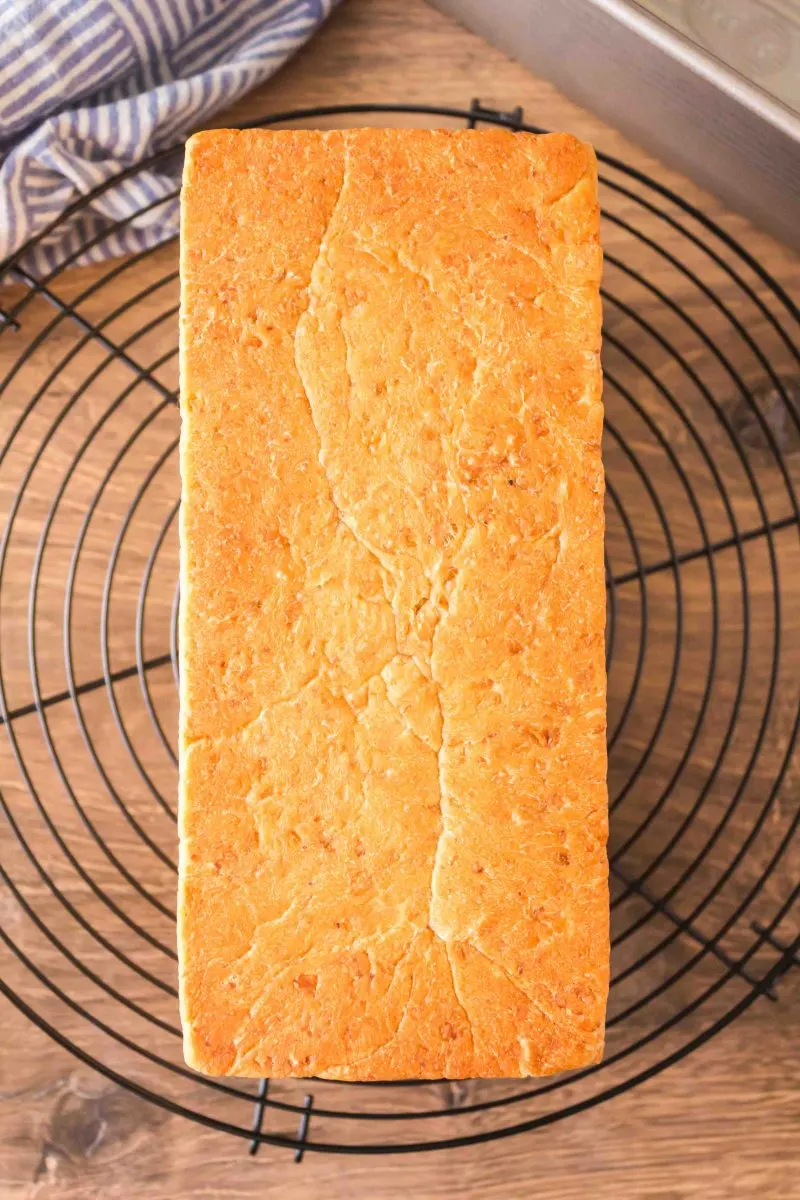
(720,1124)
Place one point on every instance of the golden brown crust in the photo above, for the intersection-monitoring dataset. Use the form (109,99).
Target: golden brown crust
(393,798)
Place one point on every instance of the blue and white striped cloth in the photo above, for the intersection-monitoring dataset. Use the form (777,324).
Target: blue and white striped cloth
(90,87)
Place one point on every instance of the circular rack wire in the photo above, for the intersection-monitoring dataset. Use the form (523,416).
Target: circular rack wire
(702,445)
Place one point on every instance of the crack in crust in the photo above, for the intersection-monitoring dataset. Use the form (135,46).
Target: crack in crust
(314,293)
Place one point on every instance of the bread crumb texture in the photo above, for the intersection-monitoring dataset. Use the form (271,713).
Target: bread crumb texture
(393,801)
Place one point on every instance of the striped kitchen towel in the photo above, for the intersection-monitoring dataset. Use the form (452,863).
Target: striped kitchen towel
(88,88)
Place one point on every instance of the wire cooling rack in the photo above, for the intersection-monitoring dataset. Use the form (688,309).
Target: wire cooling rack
(702,450)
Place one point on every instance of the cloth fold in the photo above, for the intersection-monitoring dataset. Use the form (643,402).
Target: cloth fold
(89,88)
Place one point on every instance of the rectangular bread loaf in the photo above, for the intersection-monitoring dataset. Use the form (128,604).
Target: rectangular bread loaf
(393,800)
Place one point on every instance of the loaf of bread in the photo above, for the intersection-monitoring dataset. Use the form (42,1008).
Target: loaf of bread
(393,801)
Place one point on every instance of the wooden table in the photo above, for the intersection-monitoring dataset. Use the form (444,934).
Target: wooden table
(722,1123)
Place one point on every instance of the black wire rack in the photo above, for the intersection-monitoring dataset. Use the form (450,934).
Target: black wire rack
(702,450)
